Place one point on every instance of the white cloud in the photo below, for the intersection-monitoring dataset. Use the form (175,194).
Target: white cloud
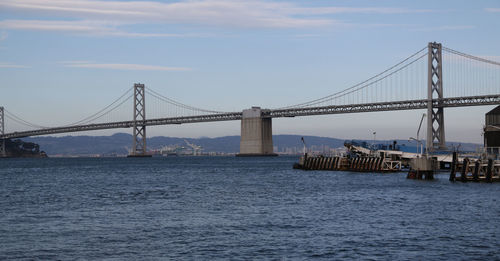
(234,13)
(351,10)
(121,66)
(115,18)
(492,10)
(42,25)
(81,27)
(447,28)
(11,65)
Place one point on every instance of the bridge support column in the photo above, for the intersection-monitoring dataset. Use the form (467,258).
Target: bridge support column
(435,116)
(3,149)
(256,134)
(139,136)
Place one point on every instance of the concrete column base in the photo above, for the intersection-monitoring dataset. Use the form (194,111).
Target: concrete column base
(256,134)
(257,155)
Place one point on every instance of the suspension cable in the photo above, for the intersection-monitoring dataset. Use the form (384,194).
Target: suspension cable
(341,93)
(17,119)
(109,111)
(373,82)
(88,119)
(470,56)
(95,117)
(176,103)
(338,94)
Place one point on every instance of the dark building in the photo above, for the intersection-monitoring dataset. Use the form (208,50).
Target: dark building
(492,129)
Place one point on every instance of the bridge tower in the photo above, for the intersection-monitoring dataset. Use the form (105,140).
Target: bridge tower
(3,149)
(435,116)
(139,136)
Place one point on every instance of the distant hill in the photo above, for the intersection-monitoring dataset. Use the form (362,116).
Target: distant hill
(120,143)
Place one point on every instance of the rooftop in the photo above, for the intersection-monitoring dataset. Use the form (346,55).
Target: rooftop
(496,110)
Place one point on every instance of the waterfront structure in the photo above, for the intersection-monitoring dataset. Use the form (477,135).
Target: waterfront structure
(492,131)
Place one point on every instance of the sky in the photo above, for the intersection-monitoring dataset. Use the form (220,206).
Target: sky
(62,60)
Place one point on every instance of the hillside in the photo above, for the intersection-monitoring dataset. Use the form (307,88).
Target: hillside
(120,143)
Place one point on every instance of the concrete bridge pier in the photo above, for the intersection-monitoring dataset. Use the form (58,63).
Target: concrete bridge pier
(256,134)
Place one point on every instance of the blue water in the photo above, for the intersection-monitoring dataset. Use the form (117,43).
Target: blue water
(206,208)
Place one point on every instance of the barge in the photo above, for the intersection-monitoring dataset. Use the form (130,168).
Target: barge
(358,158)
(346,163)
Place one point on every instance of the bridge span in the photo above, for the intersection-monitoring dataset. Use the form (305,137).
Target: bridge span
(272,113)
(256,123)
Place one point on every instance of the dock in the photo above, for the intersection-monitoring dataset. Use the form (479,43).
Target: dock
(343,163)
(475,170)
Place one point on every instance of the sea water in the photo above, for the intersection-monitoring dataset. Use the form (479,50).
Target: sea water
(206,208)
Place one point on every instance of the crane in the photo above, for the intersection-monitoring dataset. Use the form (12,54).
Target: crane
(196,149)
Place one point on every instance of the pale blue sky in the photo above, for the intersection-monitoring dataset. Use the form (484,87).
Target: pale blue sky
(62,60)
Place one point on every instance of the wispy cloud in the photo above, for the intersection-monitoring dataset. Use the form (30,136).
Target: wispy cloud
(446,28)
(234,13)
(3,36)
(492,10)
(42,25)
(192,10)
(11,65)
(352,10)
(81,27)
(121,66)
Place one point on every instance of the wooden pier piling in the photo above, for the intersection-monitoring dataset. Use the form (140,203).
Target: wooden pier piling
(489,170)
(475,170)
(463,176)
(453,167)
(475,174)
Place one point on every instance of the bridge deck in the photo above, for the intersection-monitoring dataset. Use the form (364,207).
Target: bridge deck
(277,113)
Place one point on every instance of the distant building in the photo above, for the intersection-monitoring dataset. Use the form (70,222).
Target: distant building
(492,130)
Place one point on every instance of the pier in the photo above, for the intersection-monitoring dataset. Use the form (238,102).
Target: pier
(475,170)
(360,164)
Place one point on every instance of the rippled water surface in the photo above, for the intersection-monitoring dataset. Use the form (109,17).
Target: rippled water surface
(237,208)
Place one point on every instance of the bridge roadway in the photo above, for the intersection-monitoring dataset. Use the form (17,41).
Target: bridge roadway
(276,113)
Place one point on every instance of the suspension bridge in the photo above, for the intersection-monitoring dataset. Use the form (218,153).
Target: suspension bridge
(415,83)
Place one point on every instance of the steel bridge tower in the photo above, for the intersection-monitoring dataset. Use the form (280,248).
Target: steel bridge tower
(139,136)
(435,116)
(3,149)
